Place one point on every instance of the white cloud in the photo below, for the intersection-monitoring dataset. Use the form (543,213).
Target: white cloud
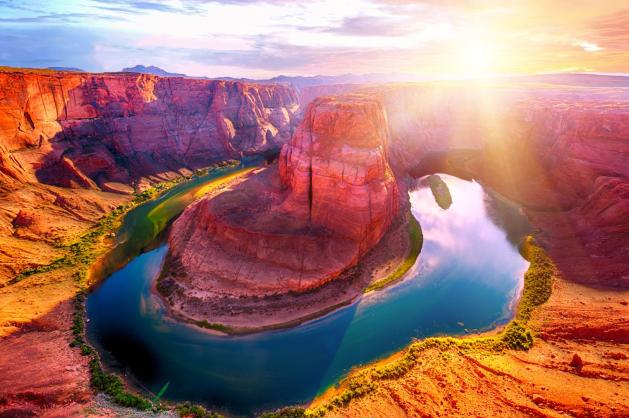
(587,46)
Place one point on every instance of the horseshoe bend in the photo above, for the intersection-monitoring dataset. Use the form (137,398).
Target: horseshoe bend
(299,224)
(294,226)
(188,246)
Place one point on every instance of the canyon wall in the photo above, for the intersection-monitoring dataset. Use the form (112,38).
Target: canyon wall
(67,140)
(560,151)
(85,130)
(296,227)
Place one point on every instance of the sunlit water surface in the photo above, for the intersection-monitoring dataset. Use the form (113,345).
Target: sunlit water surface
(466,279)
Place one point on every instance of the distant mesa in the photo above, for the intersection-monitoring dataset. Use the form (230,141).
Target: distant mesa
(322,80)
(66,69)
(151,69)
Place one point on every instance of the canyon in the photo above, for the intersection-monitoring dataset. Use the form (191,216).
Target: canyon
(293,228)
(70,141)
(558,150)
(73,146)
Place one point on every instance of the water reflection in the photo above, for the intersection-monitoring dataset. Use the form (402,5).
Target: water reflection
(507,216)
(465,279)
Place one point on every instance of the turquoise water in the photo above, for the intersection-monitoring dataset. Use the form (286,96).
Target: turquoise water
(466,279)
(142,225)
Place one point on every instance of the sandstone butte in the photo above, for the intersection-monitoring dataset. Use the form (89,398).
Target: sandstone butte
(296,227)
(559,150)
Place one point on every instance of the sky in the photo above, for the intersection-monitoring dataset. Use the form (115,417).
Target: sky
(264,38)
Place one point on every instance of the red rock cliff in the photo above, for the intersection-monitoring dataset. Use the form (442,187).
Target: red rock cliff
(86,129)
(337,168)
(334,198)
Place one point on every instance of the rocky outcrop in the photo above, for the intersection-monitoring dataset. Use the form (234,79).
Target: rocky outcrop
(294,228)
(337,168)
(559,152)
(82,130)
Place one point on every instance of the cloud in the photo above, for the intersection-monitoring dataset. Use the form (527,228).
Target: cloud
(266,37)
(58,18)
(169,6)
(612,30)
(375,26)
(138,7)
(19,5)
(587,46)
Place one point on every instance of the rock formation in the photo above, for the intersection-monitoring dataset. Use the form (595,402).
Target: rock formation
(336,167)
(82,130)
(68,138)
(294,228)
(558,155)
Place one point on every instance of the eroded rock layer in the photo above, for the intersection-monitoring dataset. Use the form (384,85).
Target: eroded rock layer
(293,230)
(83,130)
(72,144)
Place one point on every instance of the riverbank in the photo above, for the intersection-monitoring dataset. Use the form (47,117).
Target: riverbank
(560,371)
(416,240)
(110,383)
(38,310)
(385,264)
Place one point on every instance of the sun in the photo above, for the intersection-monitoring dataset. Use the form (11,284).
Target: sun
(476,58)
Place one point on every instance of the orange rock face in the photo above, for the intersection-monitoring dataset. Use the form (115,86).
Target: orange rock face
(337,168)
(82,130)
(332,200)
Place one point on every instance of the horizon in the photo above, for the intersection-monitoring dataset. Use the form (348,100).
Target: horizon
(394,77)
(264,39)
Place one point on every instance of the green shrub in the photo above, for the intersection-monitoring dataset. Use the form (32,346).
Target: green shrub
(112,385)
(86,350)
(416,239)
(289,412)
(517,337)
(216,327)
(538,279)
(187,410)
